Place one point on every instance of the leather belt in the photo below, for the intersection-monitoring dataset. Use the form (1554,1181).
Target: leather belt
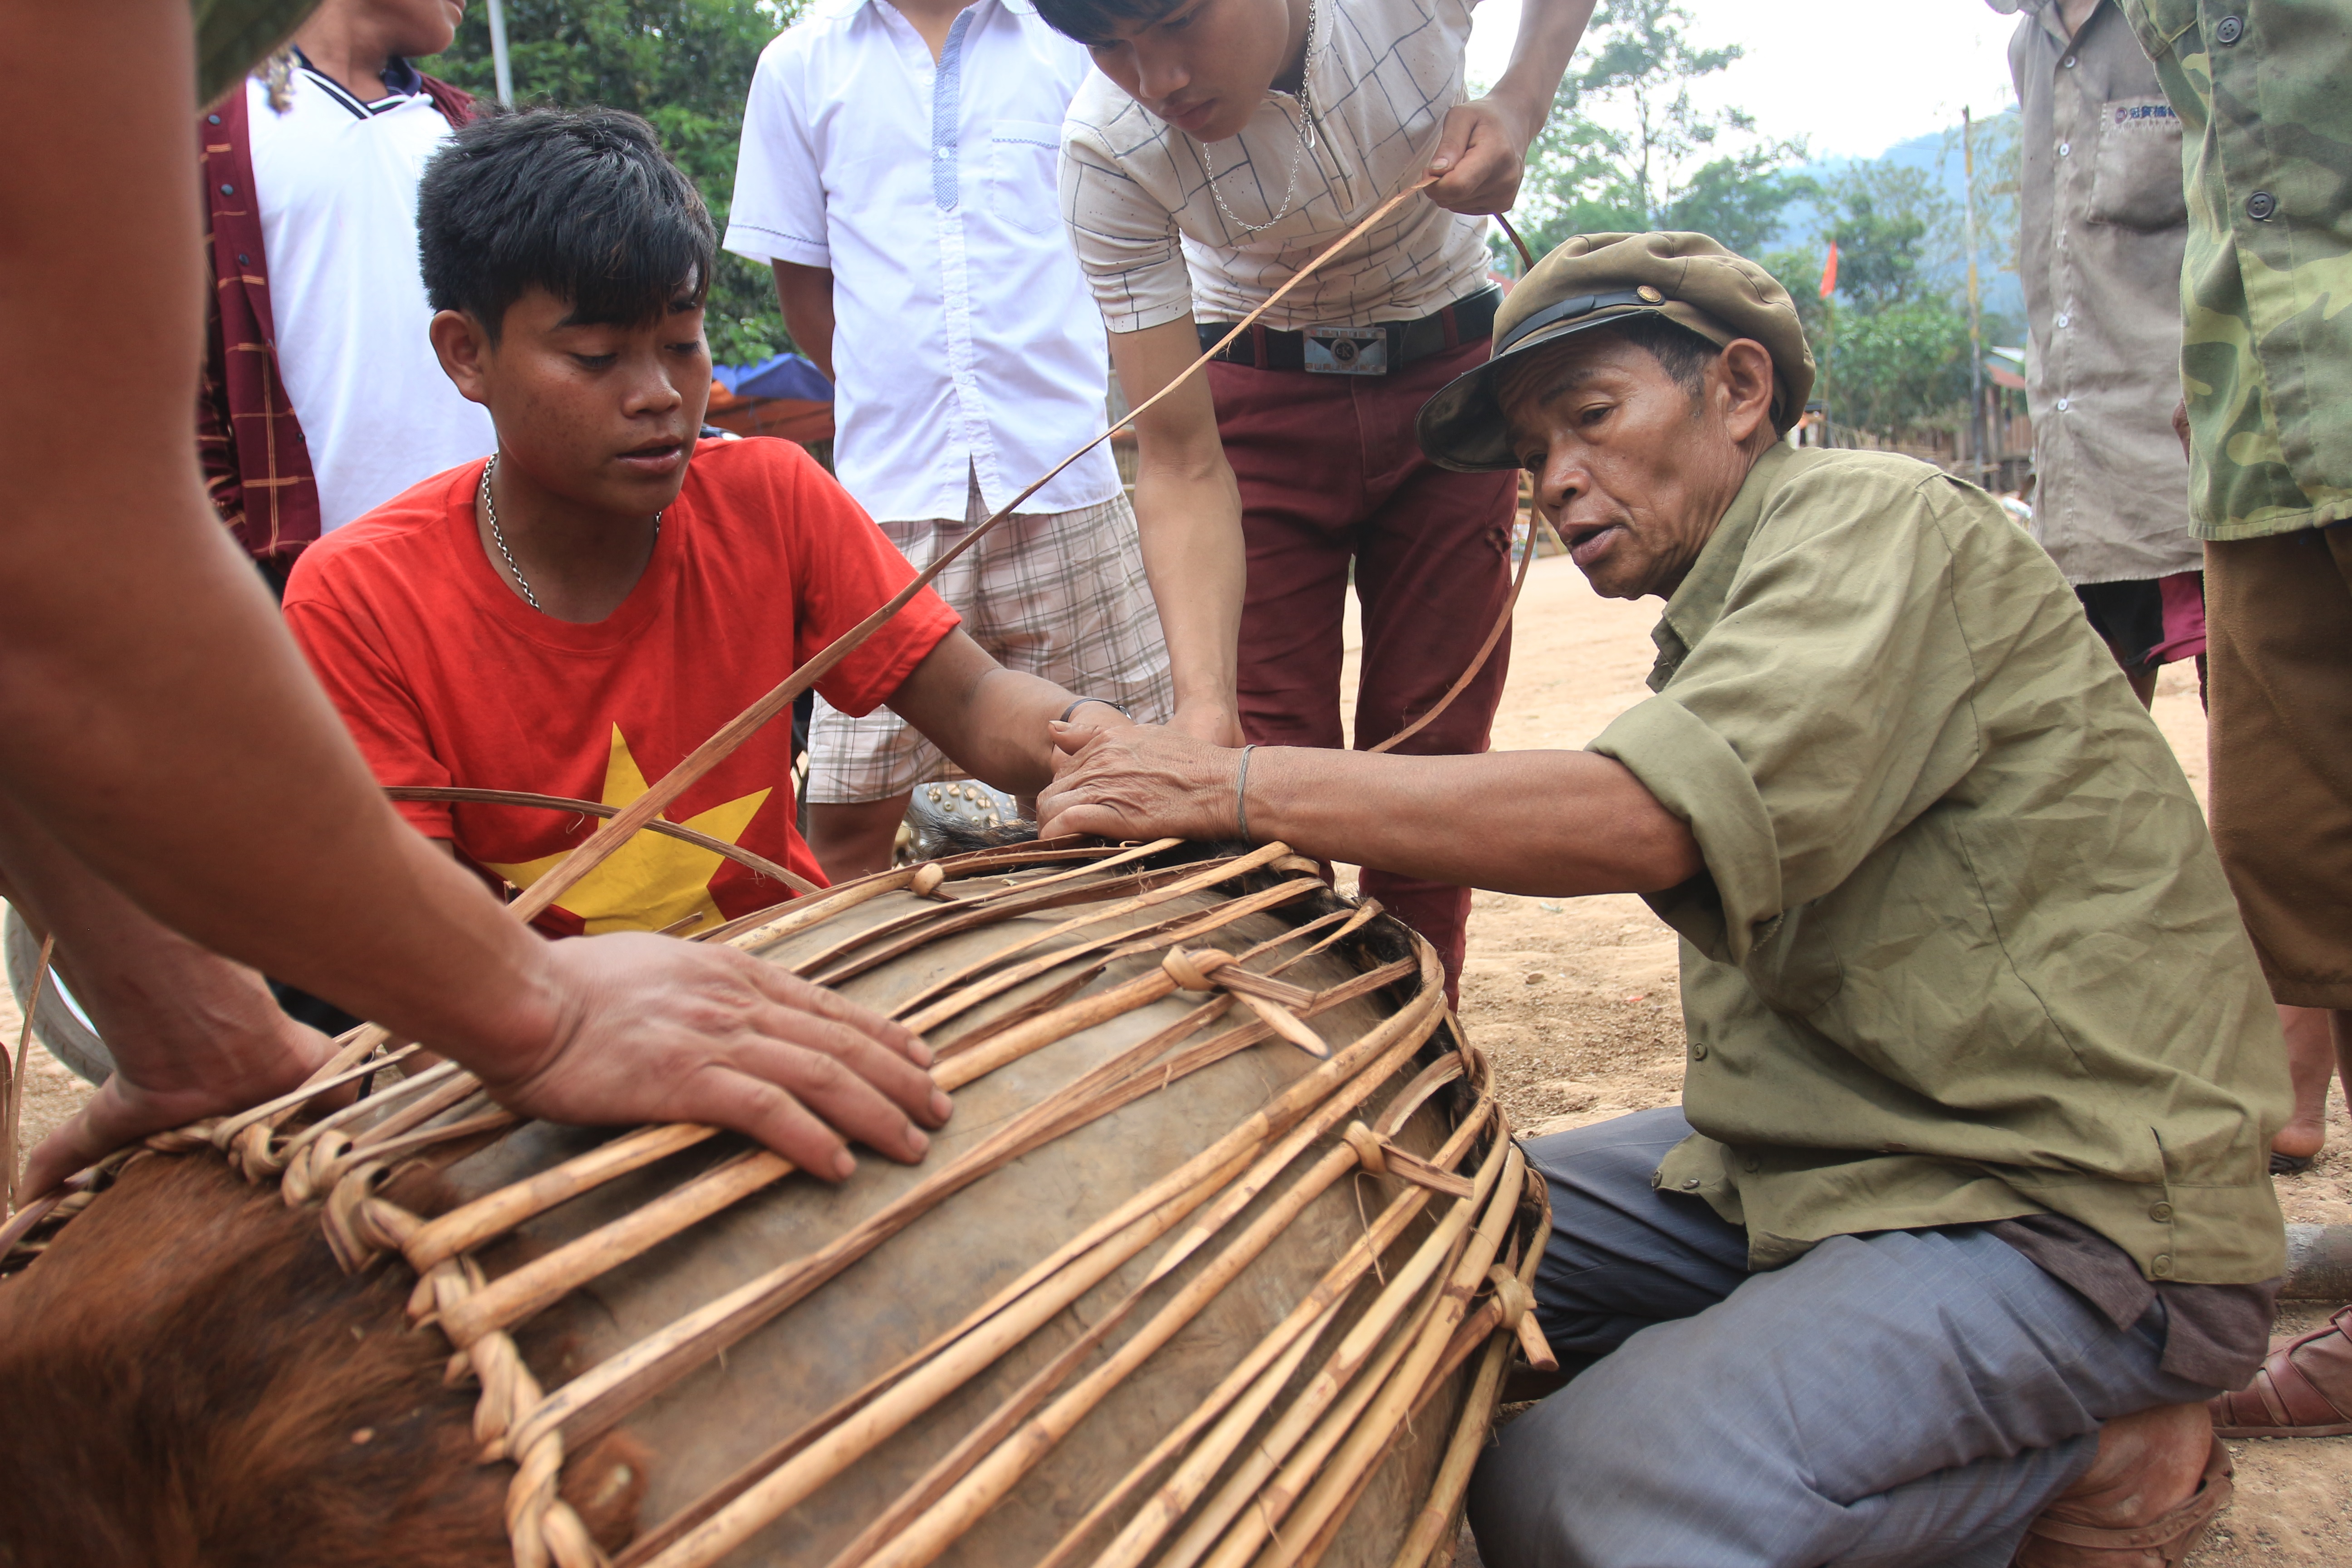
(1338,349)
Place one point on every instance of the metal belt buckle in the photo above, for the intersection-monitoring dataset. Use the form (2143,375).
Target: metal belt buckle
(1346,350)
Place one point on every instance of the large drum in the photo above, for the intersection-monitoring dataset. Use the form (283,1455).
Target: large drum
(1218,1263)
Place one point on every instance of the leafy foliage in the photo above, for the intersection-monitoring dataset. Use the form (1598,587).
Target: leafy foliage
(685,66)
(1626,149)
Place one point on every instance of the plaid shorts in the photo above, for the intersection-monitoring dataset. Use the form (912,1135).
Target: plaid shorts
(1055,593)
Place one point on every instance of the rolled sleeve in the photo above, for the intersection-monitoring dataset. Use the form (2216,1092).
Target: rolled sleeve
(1828,704)
(1126,238)
(778,210)
(1697,775)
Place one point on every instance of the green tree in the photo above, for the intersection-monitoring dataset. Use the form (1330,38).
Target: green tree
(1626,149)
(685,66)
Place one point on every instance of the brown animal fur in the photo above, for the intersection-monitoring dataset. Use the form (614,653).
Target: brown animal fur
(184,1377)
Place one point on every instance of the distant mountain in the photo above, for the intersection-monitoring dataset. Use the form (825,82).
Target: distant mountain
(1938,153)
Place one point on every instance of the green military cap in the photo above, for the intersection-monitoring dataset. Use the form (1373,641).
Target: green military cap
(1599,278)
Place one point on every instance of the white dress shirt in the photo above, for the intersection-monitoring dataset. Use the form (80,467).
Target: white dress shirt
(336,180)
(1157,241)
(964,343)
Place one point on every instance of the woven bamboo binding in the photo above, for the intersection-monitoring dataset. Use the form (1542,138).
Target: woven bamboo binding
(1248,1479)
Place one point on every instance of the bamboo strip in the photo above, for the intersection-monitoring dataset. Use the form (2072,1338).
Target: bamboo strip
(1208,876)
(1267,1369)
(1435,1524)
(902,934)
(1213,1166)
(1158,933)
(1361,916)
(901,1539)
(1365,1439)
(12,1078)
(601,844)
(1359,1348)
(358,1109)
(470,1226)
(592,1401)
(962,1355)
(760,865)
(1485,650)
(1365,1379)
(354,1066)
(1003,1325)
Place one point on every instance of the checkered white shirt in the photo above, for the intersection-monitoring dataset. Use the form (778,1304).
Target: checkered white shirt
(1135,190)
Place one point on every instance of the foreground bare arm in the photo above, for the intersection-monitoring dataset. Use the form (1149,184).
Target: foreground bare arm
(1189,510)
(1556,823)
(158,724)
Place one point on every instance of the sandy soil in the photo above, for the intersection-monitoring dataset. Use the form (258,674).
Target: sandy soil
(1575,1002)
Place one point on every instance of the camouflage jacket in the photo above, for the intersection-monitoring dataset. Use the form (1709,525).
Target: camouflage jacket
(2266,286)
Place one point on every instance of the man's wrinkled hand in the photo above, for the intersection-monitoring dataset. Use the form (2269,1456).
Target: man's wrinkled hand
(1140,782)
(1480,159)
(655,1029)
(242,1074)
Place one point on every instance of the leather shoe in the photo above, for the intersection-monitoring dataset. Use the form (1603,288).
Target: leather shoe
(2160,1478)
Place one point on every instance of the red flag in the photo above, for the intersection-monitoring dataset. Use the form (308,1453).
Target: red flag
(1829,272)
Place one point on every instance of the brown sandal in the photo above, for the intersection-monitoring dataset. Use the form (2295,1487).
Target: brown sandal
(2285,1398)
(2053,1540)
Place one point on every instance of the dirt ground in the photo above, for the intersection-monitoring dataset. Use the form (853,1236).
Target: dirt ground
(1575,1002)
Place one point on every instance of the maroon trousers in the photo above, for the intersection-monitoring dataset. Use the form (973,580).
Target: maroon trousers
(1330,474)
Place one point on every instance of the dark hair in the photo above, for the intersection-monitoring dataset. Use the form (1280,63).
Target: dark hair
(1092,22)
(580,202)
(1682,353)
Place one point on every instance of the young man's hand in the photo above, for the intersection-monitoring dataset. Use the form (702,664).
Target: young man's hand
(650,1028)
(1480,158)
(1140,782)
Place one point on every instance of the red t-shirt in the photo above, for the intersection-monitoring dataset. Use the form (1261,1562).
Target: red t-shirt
(446,677)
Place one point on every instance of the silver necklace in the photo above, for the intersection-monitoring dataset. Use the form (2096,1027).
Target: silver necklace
(498,535)
(1306,142)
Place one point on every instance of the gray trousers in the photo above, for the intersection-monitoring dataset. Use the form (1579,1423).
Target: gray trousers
(1908,1399)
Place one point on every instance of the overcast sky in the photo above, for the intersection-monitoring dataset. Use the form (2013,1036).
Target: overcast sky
(1852,77)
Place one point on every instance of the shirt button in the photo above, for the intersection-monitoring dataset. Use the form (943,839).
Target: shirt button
(2062,406)
(242,261)
(2160,1211)
(1698,1053)
(231,190)
(1752,1162)
(2261,205)
(212,120)
(2229,30)
(2065,319)
(1690,1184)
(2065,148)
(2160,1265)
(2068,62)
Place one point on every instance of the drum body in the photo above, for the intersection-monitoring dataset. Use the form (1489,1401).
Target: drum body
(895,1303)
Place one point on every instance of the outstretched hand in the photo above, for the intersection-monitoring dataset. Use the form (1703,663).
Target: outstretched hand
(245,1062)
(1140,782)
(654,1029)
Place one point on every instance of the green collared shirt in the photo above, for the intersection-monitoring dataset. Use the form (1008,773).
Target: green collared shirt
(1962,950)
(2266,286)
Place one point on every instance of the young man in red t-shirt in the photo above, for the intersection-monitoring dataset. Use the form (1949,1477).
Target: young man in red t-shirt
(573,616)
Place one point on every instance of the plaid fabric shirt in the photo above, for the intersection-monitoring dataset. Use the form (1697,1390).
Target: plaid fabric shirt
(256,467)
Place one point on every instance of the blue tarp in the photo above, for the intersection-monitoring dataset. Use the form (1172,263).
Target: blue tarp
(786,376)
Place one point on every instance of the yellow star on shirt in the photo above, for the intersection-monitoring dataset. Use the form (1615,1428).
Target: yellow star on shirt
(652,881)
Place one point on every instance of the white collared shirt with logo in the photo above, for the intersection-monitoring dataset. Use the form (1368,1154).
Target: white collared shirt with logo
(963,341)
(1155,242)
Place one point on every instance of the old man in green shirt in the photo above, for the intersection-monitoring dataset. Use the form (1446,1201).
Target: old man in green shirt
(1966,1207)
